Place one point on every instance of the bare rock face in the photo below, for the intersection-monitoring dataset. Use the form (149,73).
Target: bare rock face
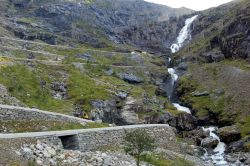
(120,21)
(128,114)
(186,122)
(229,134)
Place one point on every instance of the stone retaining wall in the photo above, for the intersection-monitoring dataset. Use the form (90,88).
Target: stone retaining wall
(102,138)
(19,113)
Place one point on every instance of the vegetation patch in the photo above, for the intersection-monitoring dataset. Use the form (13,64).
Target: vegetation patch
(160,160)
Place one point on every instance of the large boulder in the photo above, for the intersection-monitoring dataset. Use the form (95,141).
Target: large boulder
(239,146)
(105,111)
(213,57)
(161,118)
(209,142)
(130,117)
(229,134)
(186,122)
(196,136)
(130,78)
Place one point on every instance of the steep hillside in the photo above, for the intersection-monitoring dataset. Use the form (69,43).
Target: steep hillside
(218,59)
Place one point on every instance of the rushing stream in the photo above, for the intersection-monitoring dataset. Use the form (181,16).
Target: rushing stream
(217,156)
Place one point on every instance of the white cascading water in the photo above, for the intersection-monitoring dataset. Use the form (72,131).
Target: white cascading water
(218,156)
(185,34)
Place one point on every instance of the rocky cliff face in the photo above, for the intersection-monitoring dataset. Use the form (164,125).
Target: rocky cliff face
(225,29)
(99,23)
(215,85)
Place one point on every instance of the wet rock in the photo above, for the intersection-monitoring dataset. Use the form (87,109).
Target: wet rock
(209,142)
(229,134)
(196,136)
(130,78)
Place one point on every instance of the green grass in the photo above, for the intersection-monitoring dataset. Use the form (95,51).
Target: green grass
(159,160)
(245,126)
(83,88)
(24,84)
(19,126)
(203,104)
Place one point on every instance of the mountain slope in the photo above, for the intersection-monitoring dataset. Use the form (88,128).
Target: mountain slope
(218,58)
(99,23)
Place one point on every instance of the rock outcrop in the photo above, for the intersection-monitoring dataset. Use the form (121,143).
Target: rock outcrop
(229,134)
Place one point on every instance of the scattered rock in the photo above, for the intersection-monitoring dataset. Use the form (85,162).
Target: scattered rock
(6,98)
(53,155)
(59,90)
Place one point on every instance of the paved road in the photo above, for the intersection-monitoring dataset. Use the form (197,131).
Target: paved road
(38,52)
(60,46)
(59,62)
(44,112)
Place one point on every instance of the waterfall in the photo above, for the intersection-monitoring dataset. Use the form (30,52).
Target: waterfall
(217,157)
(185,34)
